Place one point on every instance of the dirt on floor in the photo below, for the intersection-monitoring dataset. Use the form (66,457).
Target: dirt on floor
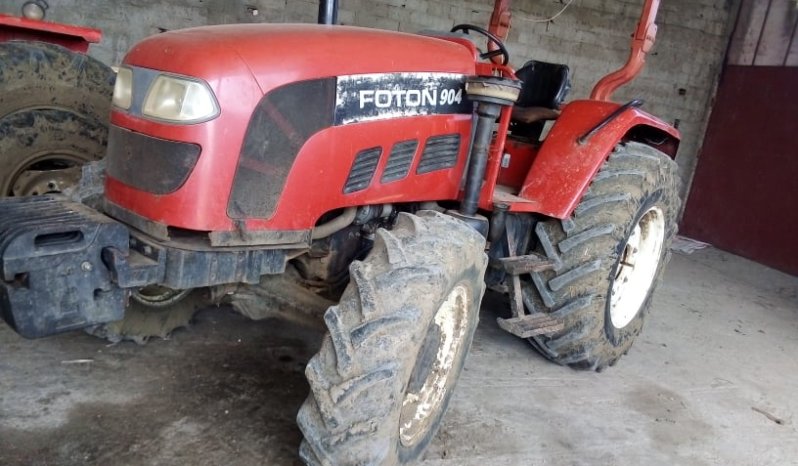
(711,380)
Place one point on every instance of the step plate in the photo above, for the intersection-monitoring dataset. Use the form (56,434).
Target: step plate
(531,325)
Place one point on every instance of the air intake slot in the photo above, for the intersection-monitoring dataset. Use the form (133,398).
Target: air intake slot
(363,170)
(440,153)
(399,161)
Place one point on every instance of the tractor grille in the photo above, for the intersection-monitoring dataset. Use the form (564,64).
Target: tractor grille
(440,153)
(399,161)
(363,169)
(150,164)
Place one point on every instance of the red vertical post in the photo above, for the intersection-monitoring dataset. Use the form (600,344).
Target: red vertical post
(642,42)
(499,24)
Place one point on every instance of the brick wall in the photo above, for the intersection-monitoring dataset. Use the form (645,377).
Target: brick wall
(591,36)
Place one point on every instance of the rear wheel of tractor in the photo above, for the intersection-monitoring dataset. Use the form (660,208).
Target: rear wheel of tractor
(153,312)
(41,151)
(54,108)
(396,345)
(609,257)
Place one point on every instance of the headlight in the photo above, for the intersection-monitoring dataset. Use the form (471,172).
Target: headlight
(123,89)
(180,100)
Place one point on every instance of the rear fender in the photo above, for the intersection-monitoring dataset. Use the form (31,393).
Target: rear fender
(75,38)
(564,168)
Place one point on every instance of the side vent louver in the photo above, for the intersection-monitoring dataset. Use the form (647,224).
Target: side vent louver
(363,170)
(440,152)
(399,161)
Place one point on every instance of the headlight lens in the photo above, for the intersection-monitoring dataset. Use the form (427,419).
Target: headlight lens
(180,100)
(123,89)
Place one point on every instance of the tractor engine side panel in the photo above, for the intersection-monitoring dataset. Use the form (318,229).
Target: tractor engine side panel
(320,145)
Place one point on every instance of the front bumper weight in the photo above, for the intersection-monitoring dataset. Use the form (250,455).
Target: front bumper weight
(52,275)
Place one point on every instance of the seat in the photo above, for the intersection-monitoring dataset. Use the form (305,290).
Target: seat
(545,86)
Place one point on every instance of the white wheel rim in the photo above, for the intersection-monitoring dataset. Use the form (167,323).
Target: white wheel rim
(419,409)
(637,267)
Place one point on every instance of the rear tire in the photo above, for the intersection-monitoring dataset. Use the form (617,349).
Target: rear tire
(396,345)
(37,75)
(609,257)
(41,151)
(54,110)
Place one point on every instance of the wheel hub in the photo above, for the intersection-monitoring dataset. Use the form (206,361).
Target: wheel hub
(44,174)
(158,296)
(423,401)
(637,267)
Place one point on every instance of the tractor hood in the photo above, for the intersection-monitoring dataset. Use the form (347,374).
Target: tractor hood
(277,54)
(289,99)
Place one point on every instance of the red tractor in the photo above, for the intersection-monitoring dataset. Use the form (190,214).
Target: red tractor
(54,103)
(392,175)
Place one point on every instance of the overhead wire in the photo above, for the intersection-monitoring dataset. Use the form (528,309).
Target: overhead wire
(551,19)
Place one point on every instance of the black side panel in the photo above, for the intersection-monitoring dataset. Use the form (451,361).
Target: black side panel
(149,164)
(399,161)
(440,153)
(363,169)
(282,122)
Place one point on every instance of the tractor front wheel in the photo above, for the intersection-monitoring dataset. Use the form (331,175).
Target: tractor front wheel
(396,345)
(153,312)
(609,258)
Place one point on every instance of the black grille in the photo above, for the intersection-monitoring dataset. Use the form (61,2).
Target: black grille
(363,169)
(399,161)
(281,124)
(157,166)
(440,152)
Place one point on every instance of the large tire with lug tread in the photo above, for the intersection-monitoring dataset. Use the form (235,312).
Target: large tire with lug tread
(396,345)
(56,104)
(609,256)
(41,151)
(36,75)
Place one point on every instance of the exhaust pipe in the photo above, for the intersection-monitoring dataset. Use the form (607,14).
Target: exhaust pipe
(328,11)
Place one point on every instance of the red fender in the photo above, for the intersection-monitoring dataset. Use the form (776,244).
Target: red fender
(564,168)
(75,38)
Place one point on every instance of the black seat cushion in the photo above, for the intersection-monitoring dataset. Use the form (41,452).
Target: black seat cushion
(544,85)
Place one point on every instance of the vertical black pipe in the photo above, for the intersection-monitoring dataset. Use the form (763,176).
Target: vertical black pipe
(328,11)
(486,118)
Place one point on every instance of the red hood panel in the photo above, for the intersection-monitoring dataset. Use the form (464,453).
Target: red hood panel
(277,54)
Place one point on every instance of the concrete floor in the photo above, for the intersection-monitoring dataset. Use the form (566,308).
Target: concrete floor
(712,380)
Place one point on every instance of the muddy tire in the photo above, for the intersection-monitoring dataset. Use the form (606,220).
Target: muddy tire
(37,75)
(41,151)
(610,255)
(153,315)
(54,110)
(402,328)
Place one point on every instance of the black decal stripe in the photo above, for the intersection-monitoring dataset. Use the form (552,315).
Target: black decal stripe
(283,121)
(395,95)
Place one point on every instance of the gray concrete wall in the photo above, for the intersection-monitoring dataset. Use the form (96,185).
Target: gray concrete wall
(591,36)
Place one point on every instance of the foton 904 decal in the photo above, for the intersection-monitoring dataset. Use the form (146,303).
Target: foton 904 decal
(367,97)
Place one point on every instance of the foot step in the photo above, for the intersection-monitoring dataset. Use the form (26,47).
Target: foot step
(531,325)
(516,265)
